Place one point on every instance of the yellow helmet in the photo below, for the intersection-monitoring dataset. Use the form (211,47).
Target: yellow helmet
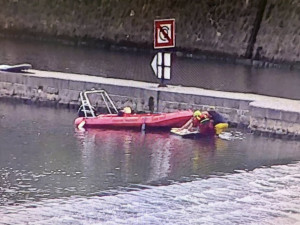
(197,114)
(127,110)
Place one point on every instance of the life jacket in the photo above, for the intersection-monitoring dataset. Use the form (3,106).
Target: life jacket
(205,124)
(203,118)
(196,122)
(207,128)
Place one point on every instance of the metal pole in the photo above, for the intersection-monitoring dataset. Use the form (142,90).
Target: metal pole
(162,70)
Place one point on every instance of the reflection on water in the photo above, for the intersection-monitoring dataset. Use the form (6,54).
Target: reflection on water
(147,158)
(160,160)
(45,163)
(136,66)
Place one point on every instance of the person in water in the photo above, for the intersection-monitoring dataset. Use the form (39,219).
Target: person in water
(126,111)
(195,121)
(200,120)
(220,123)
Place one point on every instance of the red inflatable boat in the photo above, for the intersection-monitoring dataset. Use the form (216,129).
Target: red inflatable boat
(89,119)
(161,120)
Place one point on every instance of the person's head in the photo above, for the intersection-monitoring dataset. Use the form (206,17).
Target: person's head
(127,110)
(197,114)
(212,108)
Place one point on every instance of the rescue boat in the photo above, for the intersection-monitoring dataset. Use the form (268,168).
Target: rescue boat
(115,120)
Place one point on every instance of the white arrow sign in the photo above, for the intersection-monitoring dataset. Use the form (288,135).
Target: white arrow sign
(161,65)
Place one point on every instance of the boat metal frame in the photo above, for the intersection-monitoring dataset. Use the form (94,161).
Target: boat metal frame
(89,110)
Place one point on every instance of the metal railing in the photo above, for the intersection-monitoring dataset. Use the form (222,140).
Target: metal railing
(87,108)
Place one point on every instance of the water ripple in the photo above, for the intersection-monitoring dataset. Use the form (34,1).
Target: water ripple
(262,196)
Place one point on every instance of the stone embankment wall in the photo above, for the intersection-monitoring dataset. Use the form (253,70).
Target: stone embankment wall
(48,88)
(55,91)
(279,33)
(270,120)
(267,29)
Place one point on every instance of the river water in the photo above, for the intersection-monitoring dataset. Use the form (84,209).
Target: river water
(136,66)
(51,173)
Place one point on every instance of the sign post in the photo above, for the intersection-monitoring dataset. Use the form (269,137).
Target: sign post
(161,65)
(164,37)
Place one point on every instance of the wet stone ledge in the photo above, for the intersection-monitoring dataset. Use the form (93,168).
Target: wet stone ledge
(280,122)
(260,113)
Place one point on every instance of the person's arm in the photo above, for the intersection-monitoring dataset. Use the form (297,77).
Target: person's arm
(187,125)
(190,126)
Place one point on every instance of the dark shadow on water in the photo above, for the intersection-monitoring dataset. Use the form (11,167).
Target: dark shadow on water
(208,74)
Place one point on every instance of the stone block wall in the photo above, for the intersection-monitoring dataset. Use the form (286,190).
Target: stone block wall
(235,110)
(275,121)
(230,27)
(49,90)
(216,26)
(52,91)
(279,33)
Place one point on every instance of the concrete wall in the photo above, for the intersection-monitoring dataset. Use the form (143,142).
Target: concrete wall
(57,89)
(215,26)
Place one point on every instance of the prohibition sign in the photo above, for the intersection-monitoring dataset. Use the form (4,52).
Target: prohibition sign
(164,33)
